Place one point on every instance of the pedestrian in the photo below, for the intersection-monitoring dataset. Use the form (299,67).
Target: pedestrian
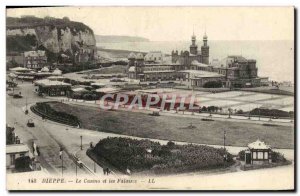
(107,171)
(104,171)
(38,151)
(33,150)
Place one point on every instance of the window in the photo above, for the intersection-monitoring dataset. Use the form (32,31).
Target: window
(260,155)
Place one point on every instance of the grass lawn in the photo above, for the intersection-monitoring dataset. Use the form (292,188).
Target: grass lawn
(176,128)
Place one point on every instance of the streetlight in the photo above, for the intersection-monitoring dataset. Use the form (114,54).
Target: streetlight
(224,147)
(81,142)
(62,161)
(229,112)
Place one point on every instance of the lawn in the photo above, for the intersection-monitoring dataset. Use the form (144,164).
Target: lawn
(177,129)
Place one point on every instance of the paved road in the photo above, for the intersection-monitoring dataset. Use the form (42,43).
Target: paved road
(48,143)
(219,117)
(51,136)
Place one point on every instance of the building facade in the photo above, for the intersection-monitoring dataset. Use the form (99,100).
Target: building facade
(185,58)
(35,59)
(232,72)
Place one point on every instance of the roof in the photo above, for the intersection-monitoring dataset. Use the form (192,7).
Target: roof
(154,56)
(194,74)
(258,145)
(131,69)
(80,89)
(237,57)
(140,56)
(107,90)
(56,77)
(34,53)
(160,71)
(19,69)
(47,82)
(57,72)
(12,75)
(131,56)
(97,84)
(45,69)
(198,64)
(16,148)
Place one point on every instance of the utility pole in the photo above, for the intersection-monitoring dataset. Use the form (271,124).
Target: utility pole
(224,139)
(81,142)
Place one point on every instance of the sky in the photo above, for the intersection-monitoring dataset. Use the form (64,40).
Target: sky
(178,23)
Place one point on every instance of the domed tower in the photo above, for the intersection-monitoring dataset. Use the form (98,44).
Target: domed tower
(193,46)
(131,59)
(205,50)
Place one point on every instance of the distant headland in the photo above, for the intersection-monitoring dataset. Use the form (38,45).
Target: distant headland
(119,38)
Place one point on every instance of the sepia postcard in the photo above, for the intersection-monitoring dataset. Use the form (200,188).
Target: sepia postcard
(150,98)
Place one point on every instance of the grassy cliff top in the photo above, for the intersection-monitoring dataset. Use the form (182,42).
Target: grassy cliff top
(32,22)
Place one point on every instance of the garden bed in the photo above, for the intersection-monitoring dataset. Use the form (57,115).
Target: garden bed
(145,155)
(44,110)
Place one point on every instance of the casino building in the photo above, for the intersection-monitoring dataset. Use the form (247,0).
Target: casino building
(193,66)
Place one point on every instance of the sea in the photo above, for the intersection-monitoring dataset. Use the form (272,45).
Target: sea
(274,59)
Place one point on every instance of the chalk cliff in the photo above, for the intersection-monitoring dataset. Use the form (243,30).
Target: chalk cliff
(54,35)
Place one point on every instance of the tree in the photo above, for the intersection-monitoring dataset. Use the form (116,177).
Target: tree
(22,164)
(9,135)
(66,19)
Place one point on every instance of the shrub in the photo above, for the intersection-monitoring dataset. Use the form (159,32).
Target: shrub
(241,155)
(270,112)
(277,157)
(171,144)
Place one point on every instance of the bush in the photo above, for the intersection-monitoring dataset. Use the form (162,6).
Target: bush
(241,155)
(271,112)
(125,153)
(171,144)
(277,157)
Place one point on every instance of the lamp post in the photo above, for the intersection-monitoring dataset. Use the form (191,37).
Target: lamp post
(62,161)
(81,142)
(224,147)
